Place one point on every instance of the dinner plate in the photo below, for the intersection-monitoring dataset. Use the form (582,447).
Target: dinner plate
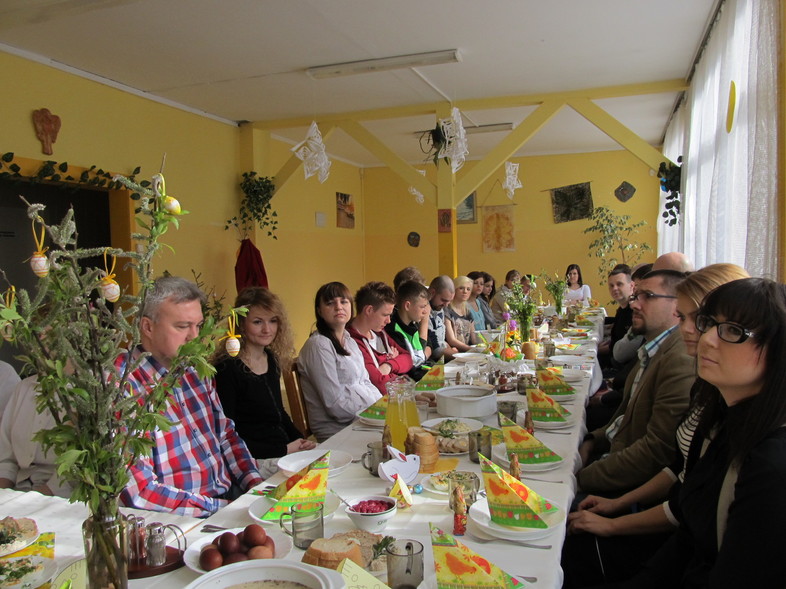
(572,375)
(551,425)
(292,463)
(36,578)
(433,424)
(479,514)
(470,357)
(27,541)
(191,556)
(499,455)
(264,504)
(429,486)
(76,572)
(380,423)
(568,359)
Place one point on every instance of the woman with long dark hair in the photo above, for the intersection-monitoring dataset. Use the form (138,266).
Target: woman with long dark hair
(576,291)
(332,373)
(249,384)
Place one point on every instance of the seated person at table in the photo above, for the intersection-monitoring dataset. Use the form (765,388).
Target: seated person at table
(24,465)
(441,292)
(639,440)
(499,300)
(200,463)
(409,325)
(576,291)
(458,315)
(407,274)
(620,289)
(8,381)
(477,305)
(334,379)
(383,357)
(249,384)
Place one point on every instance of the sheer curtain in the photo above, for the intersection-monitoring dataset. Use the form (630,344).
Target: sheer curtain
(729,210)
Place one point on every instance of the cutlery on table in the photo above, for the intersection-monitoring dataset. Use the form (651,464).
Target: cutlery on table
(484,538)
(210,529)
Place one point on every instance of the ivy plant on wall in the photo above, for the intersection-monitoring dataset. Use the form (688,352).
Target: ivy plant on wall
(255,208)
(670,175)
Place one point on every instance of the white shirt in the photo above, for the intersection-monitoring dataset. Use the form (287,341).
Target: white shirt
(8,381)
(580,294)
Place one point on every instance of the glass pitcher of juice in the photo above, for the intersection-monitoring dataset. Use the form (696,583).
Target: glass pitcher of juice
(402,411)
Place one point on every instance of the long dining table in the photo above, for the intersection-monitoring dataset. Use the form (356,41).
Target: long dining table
(539,562)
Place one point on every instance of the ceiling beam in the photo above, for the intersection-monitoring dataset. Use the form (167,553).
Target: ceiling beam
(409,174)
(619,132)
(481,104)
(507,147)
(294,162)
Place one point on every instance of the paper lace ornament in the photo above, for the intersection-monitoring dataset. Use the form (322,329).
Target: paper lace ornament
(311,151)
(511,179)
(419,198)
(455,146)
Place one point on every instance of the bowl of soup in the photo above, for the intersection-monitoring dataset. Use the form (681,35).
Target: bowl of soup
(266,574)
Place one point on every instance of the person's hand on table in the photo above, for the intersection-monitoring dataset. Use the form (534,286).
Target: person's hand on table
(299,445)
(586,521)
(600,505)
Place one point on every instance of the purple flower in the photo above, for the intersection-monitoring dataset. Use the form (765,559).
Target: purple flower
(506,316)
(512,324)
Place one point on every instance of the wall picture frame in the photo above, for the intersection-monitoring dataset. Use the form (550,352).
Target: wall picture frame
(467,209)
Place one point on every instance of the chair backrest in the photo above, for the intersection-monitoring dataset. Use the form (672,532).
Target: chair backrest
(297,406)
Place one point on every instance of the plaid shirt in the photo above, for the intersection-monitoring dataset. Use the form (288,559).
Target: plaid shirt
(198,459)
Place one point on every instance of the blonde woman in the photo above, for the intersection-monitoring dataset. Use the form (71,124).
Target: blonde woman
(462,333)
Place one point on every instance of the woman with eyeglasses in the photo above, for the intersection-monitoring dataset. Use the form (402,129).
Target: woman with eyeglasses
(730,506)
(641,532)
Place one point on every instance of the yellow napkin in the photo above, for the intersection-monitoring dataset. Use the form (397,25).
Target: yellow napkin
(434,379)
(378,410)
(496,434)
(43,546)
(511,502)
(308,486)
(544,408)
(529,449)
(358,578)
(401,493)
(552,383)
(457,566)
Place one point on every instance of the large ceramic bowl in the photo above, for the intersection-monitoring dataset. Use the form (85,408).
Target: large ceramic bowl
(268,570)
(467,401)
(372,522)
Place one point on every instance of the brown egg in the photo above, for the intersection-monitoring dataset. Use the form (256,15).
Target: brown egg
(260,552)
(235,557)
(228,543)
(210,559)
(208,547)
(241,536)
(270,544)
(255,535)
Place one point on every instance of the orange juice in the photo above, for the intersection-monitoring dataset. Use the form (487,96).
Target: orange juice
(395,419)
(412,417)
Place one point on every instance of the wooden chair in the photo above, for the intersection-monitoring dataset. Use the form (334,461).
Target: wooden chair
(297,405)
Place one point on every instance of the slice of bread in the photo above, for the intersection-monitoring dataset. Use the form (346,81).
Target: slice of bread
(329,552)
(365,539)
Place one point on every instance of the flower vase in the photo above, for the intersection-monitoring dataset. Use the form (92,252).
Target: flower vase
(106,552)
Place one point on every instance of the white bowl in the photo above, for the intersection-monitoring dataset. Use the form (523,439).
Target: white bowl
(292,463)
(467,401)
(269,570)
(372,522)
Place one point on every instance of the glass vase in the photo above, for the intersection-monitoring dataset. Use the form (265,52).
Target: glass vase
(106,552)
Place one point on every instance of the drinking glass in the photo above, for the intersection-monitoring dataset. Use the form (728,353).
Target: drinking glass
(405,564)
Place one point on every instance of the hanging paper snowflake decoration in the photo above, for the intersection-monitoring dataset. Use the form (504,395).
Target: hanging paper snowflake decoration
(511,179)
(455,146)
(311,151)
(419,198)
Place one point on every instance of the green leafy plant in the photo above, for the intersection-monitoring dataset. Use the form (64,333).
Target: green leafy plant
(432,142)
(670,175)
(556,288)
(521,308)
(255,208)
(615,242)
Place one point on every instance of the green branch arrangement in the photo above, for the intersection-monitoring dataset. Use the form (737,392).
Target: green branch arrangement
(556,288)
(615,242)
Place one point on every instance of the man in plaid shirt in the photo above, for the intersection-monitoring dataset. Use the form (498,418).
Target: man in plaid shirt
(201,463)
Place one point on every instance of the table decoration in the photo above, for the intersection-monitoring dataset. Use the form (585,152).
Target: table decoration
(544,408)
(528,448)
(306,487)
(552,383)
(70,337)
(556,287)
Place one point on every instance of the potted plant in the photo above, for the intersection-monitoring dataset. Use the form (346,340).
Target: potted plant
(614,243)
(71,338)
(255,208)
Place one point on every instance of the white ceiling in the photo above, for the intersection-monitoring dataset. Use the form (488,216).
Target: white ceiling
(245,60)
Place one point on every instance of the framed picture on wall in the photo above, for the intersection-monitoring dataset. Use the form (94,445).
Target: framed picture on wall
(467,210)
(444,220)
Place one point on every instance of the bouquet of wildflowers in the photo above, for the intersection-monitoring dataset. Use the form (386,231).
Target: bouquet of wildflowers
(521,309)
(556,287)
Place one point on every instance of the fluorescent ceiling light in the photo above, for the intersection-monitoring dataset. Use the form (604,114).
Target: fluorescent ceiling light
(492,128)
(384,63)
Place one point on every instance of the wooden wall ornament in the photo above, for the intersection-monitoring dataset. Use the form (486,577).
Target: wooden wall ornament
(47,126)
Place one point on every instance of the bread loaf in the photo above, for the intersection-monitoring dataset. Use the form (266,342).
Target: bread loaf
(422,443)
(329,552)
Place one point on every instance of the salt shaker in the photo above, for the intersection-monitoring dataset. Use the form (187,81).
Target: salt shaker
(156,544)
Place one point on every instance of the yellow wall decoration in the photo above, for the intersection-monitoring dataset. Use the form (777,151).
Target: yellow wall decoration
(499,231)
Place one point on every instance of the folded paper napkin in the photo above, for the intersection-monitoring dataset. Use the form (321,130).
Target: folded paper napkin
(544,408)
(496,434)
(308,486)
(43,546)
(458,567)
(356,576)
(529,449)
(400,492)
(552,383)
(433,379)
(511,502)
(378,410)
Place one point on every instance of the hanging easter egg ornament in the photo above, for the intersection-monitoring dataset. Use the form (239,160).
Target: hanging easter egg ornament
(7,314)
(170,203)
(39,262)
(109,287)
(232,344)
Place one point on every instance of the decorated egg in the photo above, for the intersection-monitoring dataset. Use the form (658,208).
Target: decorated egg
(232,346)
(110,290)
(7,332)
(172,205)
(40,264)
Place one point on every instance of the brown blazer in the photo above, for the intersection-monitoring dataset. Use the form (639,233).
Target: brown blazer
(645,441)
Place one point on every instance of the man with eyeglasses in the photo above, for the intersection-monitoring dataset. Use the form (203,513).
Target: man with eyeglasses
(639,440)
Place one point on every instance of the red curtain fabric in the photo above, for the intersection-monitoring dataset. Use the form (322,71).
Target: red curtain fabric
(249,269)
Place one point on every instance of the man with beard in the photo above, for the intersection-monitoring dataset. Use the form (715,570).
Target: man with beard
(639,440)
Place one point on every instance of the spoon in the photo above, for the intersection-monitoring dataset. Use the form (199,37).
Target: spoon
(341,499)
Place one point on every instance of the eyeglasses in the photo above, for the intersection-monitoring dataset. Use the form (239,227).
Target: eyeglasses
(727,331)
(647,296)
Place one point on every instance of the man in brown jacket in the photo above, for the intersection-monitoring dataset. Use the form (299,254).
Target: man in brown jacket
(639,440)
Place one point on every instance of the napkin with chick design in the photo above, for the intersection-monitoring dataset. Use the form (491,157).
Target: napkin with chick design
(458,567)
(529,449)
(307,486)
(552,383)
(544,408)
(378,410)
(511,502)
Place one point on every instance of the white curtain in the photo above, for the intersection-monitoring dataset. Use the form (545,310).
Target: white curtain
(729,179)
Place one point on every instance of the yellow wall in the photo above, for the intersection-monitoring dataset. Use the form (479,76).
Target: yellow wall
(540,243)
